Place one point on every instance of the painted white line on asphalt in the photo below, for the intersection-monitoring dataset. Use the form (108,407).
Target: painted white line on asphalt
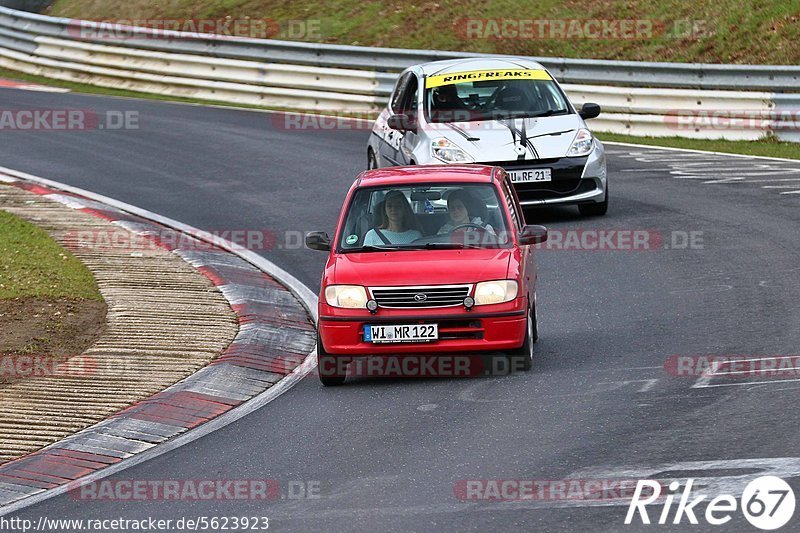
(750,372)
(706,377)
(749,383)
(714,169)
(716,477)
(307,298)
(698,152)
(704,381)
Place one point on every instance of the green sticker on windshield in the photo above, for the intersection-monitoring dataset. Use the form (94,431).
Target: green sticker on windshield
(351,239)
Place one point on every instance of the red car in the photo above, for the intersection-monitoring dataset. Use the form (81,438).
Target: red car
(427,260)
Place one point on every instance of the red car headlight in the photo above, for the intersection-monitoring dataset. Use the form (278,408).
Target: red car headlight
(346,296)
(495,292)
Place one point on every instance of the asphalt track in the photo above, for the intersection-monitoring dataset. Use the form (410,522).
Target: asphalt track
(598,404)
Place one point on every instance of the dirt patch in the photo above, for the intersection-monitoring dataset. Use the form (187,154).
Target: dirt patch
(41,330)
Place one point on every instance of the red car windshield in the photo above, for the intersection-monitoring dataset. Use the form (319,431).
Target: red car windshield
(425,217)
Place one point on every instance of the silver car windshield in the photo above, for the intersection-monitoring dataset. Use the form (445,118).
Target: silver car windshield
(425,217)
(494,100)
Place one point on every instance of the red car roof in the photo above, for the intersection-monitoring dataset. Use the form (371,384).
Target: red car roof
(427,173)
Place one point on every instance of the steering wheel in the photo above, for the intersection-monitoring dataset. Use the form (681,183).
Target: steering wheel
(468,225)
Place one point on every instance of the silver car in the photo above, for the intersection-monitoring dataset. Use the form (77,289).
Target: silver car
(508,112)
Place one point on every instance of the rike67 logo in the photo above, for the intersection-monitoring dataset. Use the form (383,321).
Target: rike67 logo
(767,503)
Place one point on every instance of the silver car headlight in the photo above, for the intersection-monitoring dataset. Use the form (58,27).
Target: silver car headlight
(445,150)
(495,292)
(582,145)
(346,296)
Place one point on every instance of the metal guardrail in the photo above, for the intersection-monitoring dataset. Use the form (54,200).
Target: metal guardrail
(638,97)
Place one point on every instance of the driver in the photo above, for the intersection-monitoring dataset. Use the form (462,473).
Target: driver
(448,105)
(461,208)
(398,223)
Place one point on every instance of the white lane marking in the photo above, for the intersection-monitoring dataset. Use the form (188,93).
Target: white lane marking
(712,288)
(471,393)
(623,369)
(690,151)
(774,180)
(748,383)
(712,478)
(716,170)
(307,298)
(648,384)
(704,381)
(754,360)
(783,467)
(428,407)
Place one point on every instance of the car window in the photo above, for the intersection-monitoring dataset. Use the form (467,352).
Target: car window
(425,216)
(512,206)
(408,104)
(399,91)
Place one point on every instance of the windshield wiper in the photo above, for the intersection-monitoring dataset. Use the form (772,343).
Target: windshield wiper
(426,246)
(525,114)
(373,247)
(453,245)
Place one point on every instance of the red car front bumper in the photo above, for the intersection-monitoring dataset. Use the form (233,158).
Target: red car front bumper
(489,328)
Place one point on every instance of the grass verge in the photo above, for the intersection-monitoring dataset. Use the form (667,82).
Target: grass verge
(33,265)
(769,147)
(706,31)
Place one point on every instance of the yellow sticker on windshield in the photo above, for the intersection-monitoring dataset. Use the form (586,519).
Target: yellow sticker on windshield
(485,75)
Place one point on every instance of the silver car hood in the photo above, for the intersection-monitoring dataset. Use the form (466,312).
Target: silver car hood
(504,140)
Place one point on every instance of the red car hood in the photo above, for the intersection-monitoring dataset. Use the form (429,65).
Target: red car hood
(430,267)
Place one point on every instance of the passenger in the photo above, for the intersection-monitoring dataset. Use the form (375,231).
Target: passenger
(398,223)
(461,207)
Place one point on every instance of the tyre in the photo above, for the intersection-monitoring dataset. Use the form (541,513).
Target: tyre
(326,362)
(372,161)
(522,358)
(595,210)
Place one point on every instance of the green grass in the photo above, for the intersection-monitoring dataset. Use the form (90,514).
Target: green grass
(33,265)
(765,148)
(718,31)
